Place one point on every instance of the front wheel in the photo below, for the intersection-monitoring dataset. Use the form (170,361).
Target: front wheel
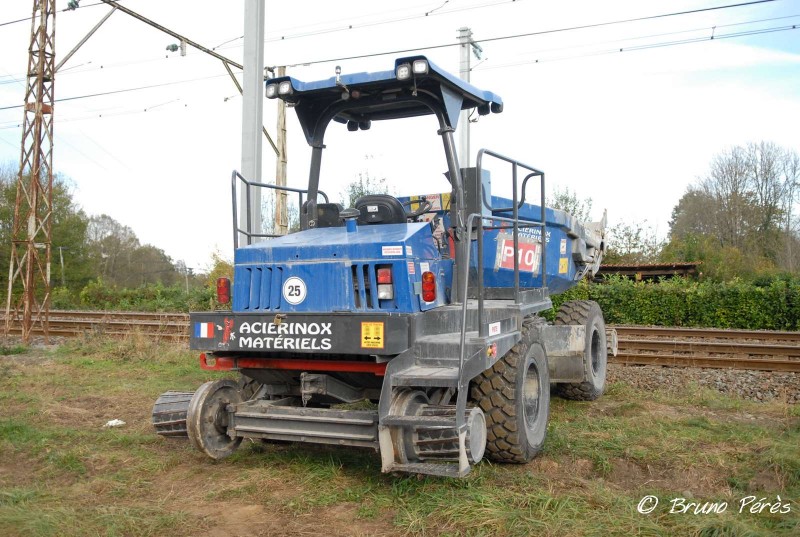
(515,396)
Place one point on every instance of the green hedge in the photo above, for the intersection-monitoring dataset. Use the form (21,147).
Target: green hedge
(100,296)
(769,305)
(679,302)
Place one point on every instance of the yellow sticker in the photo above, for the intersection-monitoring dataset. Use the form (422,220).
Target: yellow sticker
(563,265)
(372,336)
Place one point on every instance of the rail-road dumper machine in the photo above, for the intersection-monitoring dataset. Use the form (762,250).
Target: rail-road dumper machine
(426,306)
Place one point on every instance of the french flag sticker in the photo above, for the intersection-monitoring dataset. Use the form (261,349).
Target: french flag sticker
(204,330)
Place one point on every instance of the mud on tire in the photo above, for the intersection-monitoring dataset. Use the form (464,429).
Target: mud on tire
(515,397)
(588,314)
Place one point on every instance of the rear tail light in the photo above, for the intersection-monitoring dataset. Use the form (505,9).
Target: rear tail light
(384,275)
(385,287)
(223,290)
(428,286)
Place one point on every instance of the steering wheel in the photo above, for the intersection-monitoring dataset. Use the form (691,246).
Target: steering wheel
(424,207)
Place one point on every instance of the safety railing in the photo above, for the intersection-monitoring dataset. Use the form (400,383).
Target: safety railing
(515,225)
(248,232)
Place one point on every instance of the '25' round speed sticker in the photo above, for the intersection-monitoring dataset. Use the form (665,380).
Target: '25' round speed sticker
(294,290)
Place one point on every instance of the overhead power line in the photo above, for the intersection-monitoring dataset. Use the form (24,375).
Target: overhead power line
(541,32)
(637,47)
(355,26)
(647,46)
(28,18)
(444,45)
(616,50)
(124,90)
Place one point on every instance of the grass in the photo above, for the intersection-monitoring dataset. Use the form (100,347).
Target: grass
(6,350)
(64,474)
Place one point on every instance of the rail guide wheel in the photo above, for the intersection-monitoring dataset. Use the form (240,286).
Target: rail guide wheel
(207,418)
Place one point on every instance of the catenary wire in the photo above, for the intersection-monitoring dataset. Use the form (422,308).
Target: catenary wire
(61,10)
(540,32)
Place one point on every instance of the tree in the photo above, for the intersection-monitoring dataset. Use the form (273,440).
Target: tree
(111,244)
(635,242)
(363,186)
(567,201)
(219,267)
(790,257)
(121,260)
(733,211)
(68,230)
(745,206)
(690,215)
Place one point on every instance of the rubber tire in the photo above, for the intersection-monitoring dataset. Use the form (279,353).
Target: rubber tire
(588,314)
(511,438)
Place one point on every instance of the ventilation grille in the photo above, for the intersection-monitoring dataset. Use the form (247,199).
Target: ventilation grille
(260,285)
(365,296)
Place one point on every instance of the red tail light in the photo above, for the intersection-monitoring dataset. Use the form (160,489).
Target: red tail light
(223,290)
(384,275)
(428,287)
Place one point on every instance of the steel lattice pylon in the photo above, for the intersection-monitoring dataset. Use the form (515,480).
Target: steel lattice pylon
(28,299)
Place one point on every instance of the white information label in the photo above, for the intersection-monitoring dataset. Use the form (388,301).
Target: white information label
(494,329)
(409,251)
(425,267)
(294,290)
(372,208)
(563,246)
(391,250)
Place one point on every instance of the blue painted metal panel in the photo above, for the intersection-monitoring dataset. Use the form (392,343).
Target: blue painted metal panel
(338,269)
(473,95)
(498,257)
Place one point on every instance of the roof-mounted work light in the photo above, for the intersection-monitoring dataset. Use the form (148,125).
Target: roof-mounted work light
(403,71)
(285,88)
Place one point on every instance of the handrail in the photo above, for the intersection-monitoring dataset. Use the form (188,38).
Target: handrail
(481,332)
(521,201)
(515,209)
(515,221)
(249,233)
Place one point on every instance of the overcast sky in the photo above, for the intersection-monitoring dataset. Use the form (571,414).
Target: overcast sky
(630,130)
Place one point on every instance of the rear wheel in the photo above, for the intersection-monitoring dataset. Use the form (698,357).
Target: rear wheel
(588,314)
(515,396)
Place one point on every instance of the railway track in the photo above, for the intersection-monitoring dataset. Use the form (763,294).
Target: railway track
(709,347)
(638,345)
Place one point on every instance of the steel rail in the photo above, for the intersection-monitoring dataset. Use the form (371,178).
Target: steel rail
(716,362)
(708,333)
(706,347)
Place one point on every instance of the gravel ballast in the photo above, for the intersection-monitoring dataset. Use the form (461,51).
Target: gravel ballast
(759,386)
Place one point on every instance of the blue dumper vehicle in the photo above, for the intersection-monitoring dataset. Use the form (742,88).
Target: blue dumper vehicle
(426,306)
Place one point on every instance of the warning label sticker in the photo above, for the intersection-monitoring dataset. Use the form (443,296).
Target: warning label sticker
(563,265)
(372,336)
(391,250)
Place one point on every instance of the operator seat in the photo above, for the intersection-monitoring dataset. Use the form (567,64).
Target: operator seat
(380,209)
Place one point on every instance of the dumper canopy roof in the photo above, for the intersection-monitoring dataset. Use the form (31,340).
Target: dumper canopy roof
(415,87)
